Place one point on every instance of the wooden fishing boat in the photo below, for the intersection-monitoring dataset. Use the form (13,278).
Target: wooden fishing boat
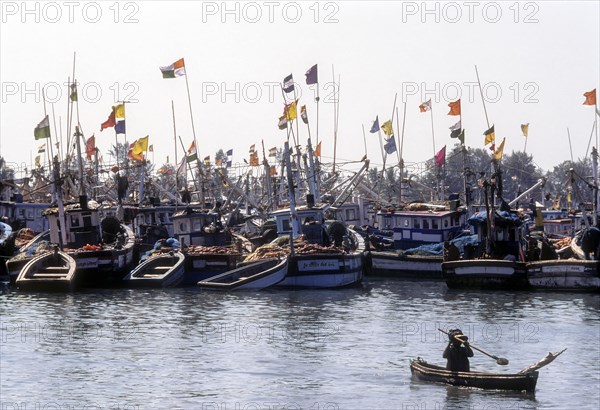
(160,270)
(422,370)
(564,274)
(524,380)
(51,271)
(256,275)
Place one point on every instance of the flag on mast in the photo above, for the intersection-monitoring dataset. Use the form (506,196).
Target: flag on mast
(110,122)
(387,128)
(440,157)
(90,147)
(489,135)
(525,129)
(42,148)
(303,114)
(426,106)
(312,76)
(590,97)
(454,107)
(42,130)
(288,84)
(499,151)
(375,126)
(177,69)
(191,153)
(390,146)
(317,151)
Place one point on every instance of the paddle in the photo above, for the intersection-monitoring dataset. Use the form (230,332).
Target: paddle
(499,360)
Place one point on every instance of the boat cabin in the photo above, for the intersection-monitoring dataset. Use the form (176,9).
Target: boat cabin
(82,225)
(506,235)
(412,228)
(312,223)
(24,215)
(198,227)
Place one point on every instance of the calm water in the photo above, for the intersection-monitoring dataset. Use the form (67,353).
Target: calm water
(344,349)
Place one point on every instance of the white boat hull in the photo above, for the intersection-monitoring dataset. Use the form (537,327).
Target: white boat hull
(569,274)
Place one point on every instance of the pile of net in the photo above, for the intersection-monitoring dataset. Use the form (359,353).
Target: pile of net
(213,250)
(279,248)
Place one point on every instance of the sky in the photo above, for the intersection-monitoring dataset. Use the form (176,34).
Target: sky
(535,59)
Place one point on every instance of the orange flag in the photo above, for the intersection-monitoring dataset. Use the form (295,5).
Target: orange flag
(454,107)
(317,151)
(590,97)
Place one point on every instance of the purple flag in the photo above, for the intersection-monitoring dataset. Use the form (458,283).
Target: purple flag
(120,127)
(311,75)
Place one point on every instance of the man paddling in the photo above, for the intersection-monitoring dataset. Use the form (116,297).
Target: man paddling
(457,355)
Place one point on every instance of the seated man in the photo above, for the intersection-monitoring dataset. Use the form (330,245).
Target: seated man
(457,355)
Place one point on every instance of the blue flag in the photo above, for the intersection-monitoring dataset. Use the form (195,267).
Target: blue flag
(390,146)
(311,75)
(375,126)
(120,127)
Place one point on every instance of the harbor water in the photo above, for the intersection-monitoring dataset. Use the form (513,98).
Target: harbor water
(310,349)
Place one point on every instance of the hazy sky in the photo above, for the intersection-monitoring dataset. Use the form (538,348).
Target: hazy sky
(535,61)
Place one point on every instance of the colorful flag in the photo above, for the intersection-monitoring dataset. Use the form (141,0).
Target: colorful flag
(590,97)
(131,154)
(525,129)
(42,148)
(282,122)
(456,126)
(390,145)
(375,126)
(454,107)
(191,153)
(272,152)
(73,95)
(303,114)
(90,147)
(426,106)
(38,161)
(141,145)
(177,69)
(272,170)
(440,157)
(499,151)
(317,151)
(254,159)
(290,111)
(110,122)
(42,130)
(489,136)
(252,148)
(207,160)
(387,128)
(288,84)
(120,127)
(120,111)
(311,75)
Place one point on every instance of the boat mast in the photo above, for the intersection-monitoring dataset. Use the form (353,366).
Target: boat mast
(296,232)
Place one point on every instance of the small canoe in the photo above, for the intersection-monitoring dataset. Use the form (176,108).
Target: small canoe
(51,271)
(254,276)
(422,370)
(159,271)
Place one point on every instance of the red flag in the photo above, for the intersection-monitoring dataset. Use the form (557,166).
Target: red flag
(90,147)
(110,122)
(440,157)
(590,97)
(454,107)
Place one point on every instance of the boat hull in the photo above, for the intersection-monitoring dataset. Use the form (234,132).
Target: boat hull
(255,276)
(567,274)
(165,270)
(201,266)
(422,370)
(324,271)
(485,274)
(393,264)
(50,271)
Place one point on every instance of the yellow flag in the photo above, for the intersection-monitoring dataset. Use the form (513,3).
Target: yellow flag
(120,111)
(387,128)
(525,129)
(141,145)
(37,162)
(499,151)
(290,111)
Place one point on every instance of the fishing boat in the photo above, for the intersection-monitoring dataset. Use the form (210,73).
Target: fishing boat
(422,370)
(51,271)
(160,270)
(524,380)
(253,276)
(35,245)
(564,274)
(498,262)
(209,248)
(418,230)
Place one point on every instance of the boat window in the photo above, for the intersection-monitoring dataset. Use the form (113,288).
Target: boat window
(196,224)
(425,224)
(74,221)
(406,222)
(387,222)
(445,222)
(182,227)
(350,214)
(416,224)
(285,225)
(434,224)
(87,220)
